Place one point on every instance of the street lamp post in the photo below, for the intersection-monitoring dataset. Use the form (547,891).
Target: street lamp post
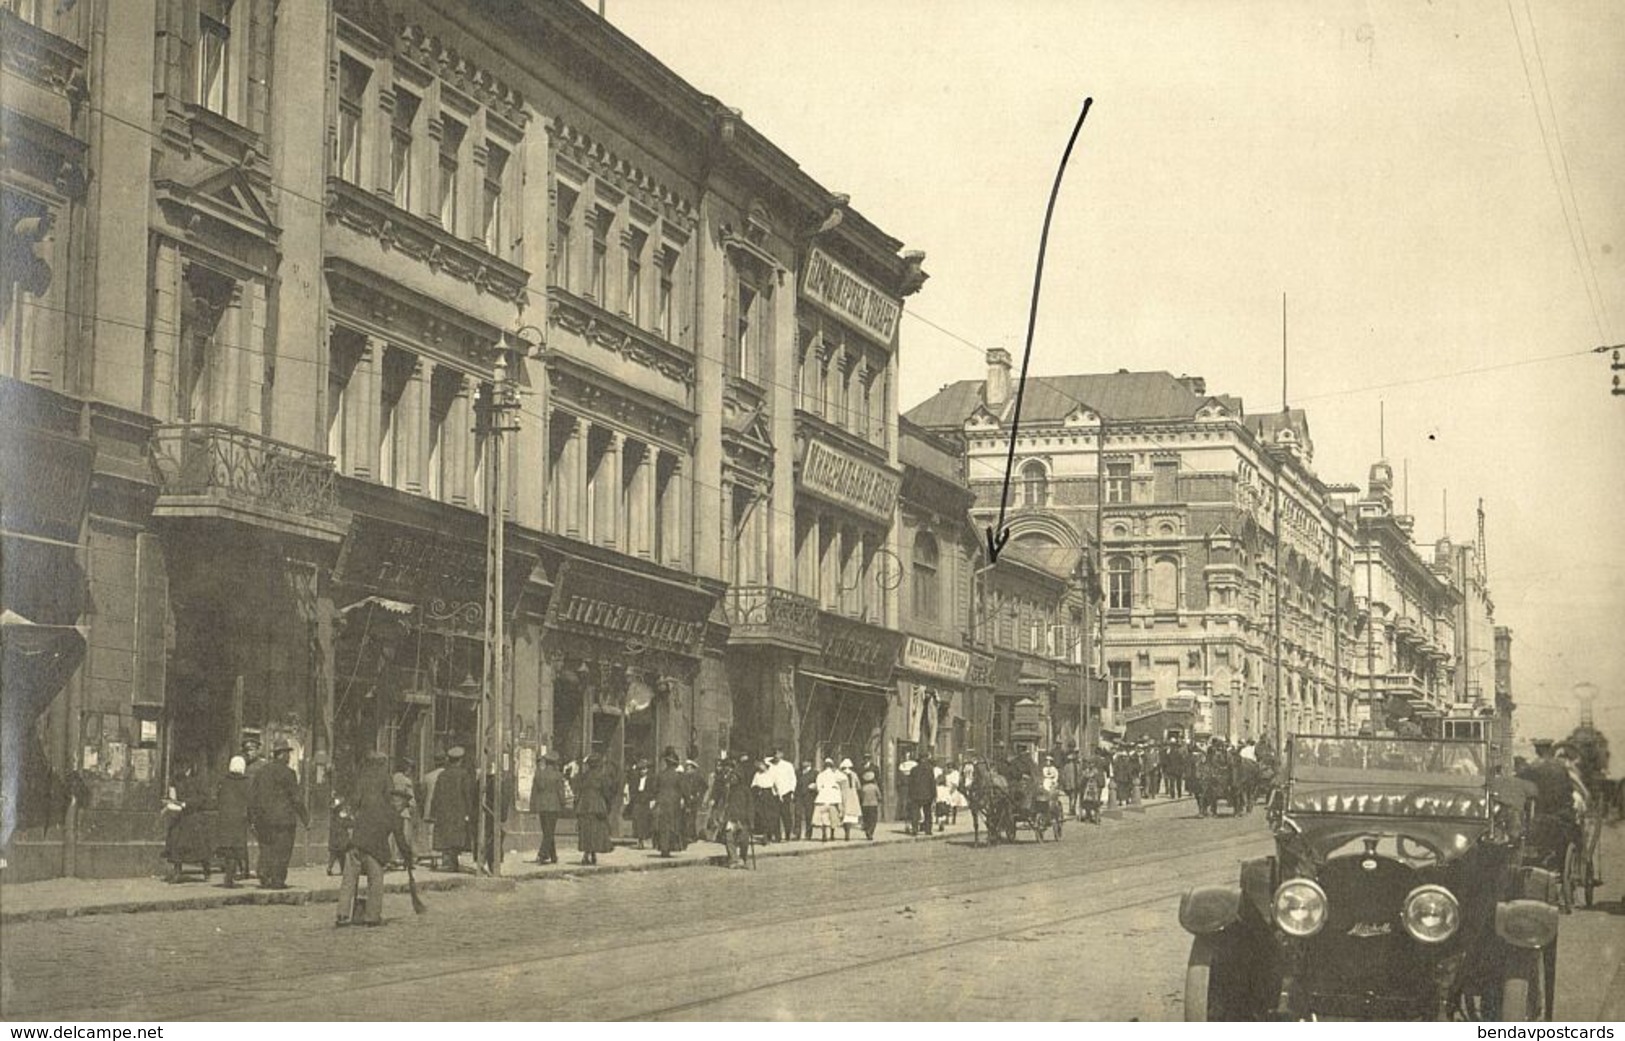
(497,418)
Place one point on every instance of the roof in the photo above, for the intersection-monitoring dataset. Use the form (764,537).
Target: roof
(1116,395)
(1268,424)
(922,450)
(1059,561)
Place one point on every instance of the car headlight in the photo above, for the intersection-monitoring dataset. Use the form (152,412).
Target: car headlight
(1300,907)
(1432,914)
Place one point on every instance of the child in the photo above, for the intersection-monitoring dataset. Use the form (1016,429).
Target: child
(340,825)
(869,799)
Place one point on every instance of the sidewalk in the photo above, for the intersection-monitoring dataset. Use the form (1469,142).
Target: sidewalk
(73,897)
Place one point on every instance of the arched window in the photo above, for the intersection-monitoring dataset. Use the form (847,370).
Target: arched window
(1119,583)
(925,577)
(1034,483)
(1165,584)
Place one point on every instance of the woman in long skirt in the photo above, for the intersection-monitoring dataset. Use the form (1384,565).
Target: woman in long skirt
(640,783)
(668,805)
(592,811)
(851,806)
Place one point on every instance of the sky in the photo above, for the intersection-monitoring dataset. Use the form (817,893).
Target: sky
(1435,186)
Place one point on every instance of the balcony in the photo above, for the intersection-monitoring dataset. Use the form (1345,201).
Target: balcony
(764,615)
(208,470)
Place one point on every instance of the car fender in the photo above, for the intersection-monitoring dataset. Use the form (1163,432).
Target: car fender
(1258,884)
(1210,909)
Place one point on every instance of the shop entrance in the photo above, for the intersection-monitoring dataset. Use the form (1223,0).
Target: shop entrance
(842,724)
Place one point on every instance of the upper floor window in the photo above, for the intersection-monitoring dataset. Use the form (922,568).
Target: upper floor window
(217,67)
(636,241)
(451,147)
(403,122)
(1034,483)
(926,584)
(564,222)
(353,77)
(1119,479)
(601,222)
(1122,684)
(1119,583)
(665,294)
(742,342)
(493,219)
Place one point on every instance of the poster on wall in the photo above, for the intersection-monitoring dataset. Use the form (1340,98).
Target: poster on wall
(523,775)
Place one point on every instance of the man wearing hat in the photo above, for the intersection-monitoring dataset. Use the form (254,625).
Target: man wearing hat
(453,810)
(547,802)
(274,804)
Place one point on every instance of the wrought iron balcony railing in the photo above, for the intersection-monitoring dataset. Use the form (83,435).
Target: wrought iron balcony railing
(762,614)
(209,464)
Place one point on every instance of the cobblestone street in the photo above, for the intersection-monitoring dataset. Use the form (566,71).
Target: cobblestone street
(1083,929)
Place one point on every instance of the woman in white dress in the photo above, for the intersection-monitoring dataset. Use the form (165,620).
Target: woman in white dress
(827,801)
(851,805)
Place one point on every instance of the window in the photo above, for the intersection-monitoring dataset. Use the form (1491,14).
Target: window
(344,354)
(663,297)
(1119,583)
(1165,584)
(443,390)
(451,148)
(1165,480)
(206,296)
(1119,478)
(926,584)
(601,221)
(1121,678)
(862,423)
(632,306)
(564,221)
(1034,483)
(215,68)
(402,122)
(492,221)
(740,343)
(353,77)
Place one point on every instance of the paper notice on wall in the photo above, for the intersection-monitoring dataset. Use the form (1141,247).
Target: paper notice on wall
(149,731)
(141,760)
(91,759)
(522,778)
(117,758)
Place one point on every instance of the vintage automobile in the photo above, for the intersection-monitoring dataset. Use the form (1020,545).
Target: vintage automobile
(1398,890)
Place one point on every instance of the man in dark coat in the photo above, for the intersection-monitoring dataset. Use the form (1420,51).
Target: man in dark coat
(738,808)
(922,794)
(547,802)
(377,819)
(274,805)
(693,788)
(453,810)
(231,821)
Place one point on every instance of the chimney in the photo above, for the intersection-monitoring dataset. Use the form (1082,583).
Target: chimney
(998,377)
(1197,384)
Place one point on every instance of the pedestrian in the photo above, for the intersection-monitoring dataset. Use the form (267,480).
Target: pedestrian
(453,810)
(378,822)
(667,807)
(851,806)
(595,794)
(640,797)
(827,801)
(693,786)
(716,798)
(922,795)
(424,840)
(764,803)
(404,791)
(870,799)
(737,806)
(954,779)
(806,797)
(274,806)
(186,830)
(1092,782)
(547,802)
(231,821)
(253,762)
(1069,781)
(340,822)
(784,790)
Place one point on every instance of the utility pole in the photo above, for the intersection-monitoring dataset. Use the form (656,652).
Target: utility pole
(497,413)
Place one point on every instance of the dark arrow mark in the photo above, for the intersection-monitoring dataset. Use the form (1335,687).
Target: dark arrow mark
(998,535)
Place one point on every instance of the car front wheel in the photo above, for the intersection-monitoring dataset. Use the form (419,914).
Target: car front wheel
(1213,987)
(1523,991)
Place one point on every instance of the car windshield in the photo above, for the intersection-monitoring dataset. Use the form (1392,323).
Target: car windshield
(1388,760)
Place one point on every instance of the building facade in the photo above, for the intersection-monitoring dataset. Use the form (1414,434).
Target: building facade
(273,270)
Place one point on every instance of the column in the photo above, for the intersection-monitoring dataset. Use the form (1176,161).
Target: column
(729,544)
(579,438)
(412,432)
(675,530)
(362,408)
(643,498)
(227,360)
(606,497)
(458,446)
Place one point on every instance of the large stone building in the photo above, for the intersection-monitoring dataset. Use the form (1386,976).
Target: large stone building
(1232,586)
(269,268)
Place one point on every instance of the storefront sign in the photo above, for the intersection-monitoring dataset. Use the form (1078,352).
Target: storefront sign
(1144,710)
(850,296)
(854,649)
(980,671)
(849,481)
(617,605)
(935,659)
(439,573)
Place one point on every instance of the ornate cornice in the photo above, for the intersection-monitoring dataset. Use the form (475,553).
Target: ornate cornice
(613,333)
(588,393)
(422,240)
(573,144)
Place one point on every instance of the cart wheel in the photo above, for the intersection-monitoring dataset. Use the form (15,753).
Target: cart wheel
(1213,990)
(1571,878)
(1523,991)
(1589,880)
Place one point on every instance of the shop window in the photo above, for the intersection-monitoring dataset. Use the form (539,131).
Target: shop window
(403,122)
(353,77)
(927,582)
(564,221)
(451,154)
(1119,481)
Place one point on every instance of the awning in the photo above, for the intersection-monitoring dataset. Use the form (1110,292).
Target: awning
(850,684)
(392,606)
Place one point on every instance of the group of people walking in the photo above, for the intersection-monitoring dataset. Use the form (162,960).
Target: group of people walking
(203,827)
